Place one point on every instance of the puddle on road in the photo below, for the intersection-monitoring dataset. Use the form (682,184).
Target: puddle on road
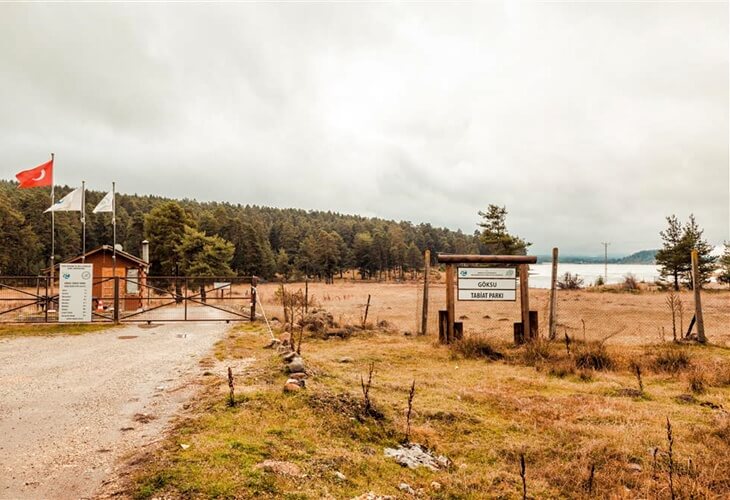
(127,337)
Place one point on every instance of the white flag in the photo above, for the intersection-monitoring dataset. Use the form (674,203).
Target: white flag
(106,204)
(69,203)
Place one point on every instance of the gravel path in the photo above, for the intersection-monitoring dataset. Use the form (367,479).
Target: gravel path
(71,406)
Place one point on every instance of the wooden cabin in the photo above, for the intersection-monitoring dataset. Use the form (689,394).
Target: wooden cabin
(131,270)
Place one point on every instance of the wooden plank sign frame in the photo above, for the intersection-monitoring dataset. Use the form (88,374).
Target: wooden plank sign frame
(521,261)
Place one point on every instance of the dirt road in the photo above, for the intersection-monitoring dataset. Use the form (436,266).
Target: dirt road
(71,406)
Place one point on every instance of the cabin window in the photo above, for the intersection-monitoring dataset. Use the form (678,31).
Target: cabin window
(132,281)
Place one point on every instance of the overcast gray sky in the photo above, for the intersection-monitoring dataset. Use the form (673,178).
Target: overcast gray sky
(590,122)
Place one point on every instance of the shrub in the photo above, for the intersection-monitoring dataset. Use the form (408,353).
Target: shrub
(536,352)
(594,356)
(671,360)
(562,368)
(570,282)
(697,381)
(599,281)
(476,346)
(630,284)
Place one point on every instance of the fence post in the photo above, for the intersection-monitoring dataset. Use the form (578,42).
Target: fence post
(185,298)
(426,272)
(696,286)
(553,324)
(254,282)
(525,300)
(116,300)
(450,313)
(367,308)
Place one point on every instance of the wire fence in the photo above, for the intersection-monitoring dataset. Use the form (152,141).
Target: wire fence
(607,313)
(646,315)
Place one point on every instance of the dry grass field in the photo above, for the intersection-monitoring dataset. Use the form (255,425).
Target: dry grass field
(629,318)
(483,403)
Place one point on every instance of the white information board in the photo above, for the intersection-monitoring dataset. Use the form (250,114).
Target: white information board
(487,283)
(75,295)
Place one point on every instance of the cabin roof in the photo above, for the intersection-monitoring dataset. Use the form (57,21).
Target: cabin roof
(105,248)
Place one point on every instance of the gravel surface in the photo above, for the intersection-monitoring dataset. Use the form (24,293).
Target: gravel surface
(71,406)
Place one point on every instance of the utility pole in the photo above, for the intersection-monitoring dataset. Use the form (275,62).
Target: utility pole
(605,262)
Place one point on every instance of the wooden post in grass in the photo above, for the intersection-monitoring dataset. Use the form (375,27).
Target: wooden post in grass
(450,312)
(696,286)
(525,300)
(426,272)
(553,324)
(367,308)
(254,282)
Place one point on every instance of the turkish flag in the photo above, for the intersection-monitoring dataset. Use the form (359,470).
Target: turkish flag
(40,176)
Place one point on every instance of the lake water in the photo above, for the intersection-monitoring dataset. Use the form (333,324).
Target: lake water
(540,273)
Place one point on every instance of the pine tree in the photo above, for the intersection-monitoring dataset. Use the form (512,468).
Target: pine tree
(164,228)
(494,236)
(672,257)
(675,256)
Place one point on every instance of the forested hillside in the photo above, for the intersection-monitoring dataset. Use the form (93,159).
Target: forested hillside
(263,240)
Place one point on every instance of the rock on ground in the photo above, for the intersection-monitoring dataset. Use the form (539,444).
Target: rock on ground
(414,455)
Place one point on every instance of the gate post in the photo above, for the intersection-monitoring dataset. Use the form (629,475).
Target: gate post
(116,300)
(47,303)
(254,282)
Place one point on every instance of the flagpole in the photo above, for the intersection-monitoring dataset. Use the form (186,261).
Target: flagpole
(114,230)
(53,231)
(83,221)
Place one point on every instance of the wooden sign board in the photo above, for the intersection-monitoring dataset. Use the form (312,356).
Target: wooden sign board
(488,295)
(487,284)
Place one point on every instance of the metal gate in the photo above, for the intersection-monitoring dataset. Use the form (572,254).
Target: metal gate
(34,299)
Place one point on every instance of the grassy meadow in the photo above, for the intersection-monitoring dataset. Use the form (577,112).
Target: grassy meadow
(583,422)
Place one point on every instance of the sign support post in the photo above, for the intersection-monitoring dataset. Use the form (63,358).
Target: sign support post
(450,307)
(525,301)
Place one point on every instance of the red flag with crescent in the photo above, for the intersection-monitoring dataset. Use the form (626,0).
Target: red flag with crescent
(40,176)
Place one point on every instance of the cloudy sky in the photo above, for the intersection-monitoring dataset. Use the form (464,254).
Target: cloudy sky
(589,121)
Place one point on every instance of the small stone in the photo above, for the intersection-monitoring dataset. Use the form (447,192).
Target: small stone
(634,467)
(292,381)
(298,376)
(272,344)
(407,488)
(435,485)
(289,356)
(292,387)
(296,366)
(339,475)
(184,446)
(346,359)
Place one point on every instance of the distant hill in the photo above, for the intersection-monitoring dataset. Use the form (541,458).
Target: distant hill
(641,257)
